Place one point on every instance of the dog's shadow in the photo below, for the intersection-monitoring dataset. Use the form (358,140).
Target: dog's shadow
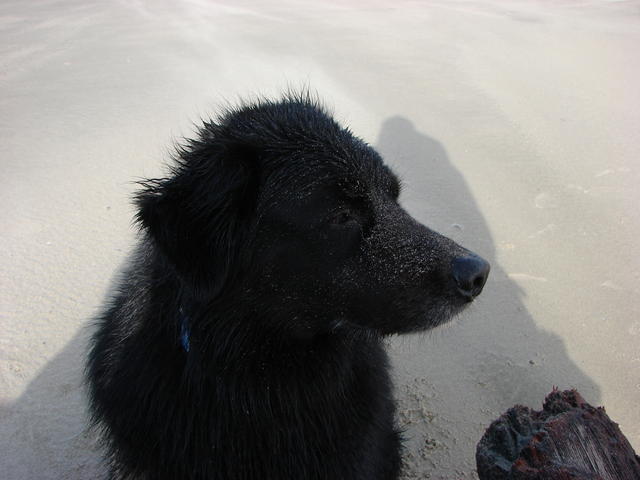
(45,434)
(450,384)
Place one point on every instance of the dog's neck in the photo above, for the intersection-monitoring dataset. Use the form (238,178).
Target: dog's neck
(299,345)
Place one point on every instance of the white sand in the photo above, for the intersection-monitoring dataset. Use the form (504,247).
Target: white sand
(516,126)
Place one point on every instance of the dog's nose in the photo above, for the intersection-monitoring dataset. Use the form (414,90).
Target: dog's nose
(470,273)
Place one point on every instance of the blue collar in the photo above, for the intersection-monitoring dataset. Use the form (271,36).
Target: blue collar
(185,331)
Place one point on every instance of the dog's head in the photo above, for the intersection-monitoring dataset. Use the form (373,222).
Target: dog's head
(278,204)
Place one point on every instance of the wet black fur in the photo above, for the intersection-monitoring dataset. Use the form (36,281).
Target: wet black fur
(277,242)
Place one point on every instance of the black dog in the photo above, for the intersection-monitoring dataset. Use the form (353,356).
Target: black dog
(245,339)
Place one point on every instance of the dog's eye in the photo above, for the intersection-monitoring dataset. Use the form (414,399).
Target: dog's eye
(343,217)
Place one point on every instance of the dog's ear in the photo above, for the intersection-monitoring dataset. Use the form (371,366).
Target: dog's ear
(199,217)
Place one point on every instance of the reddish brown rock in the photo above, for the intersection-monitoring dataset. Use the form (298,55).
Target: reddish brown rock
(568,440)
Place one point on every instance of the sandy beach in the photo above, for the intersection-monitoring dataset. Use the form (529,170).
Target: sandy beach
(515,127)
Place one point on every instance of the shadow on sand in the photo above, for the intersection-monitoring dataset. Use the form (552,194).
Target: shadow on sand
(452,383)
(44,434)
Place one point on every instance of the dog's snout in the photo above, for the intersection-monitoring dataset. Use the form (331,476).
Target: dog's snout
(470,273)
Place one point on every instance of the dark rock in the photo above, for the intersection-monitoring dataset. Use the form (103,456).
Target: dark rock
(568,440)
